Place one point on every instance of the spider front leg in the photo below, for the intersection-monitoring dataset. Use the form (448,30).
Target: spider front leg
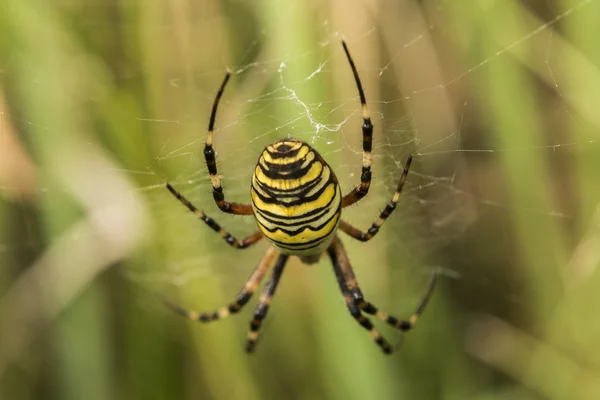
(211,163)
(229,239)
(354,297)
(361,189)
(389,208)
(242,298)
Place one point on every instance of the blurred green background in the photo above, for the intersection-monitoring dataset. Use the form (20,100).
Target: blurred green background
(101,102)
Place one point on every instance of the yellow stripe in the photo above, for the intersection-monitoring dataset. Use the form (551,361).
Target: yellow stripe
(287,184)
(309,158)
(298,210)
(294,145)
(365,111)
(286,160)
(272,223)
(305,236)
(323,181)
(223,312)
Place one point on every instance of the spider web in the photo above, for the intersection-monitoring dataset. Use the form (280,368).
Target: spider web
(424,101)
(268,98)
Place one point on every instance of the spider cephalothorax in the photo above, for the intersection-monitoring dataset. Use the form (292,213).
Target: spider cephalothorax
(297,204)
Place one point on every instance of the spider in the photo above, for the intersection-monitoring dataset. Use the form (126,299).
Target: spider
(297,205)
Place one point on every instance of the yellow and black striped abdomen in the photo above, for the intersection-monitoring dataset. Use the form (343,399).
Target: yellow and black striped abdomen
(296,198)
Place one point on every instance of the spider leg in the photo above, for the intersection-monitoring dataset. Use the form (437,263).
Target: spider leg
(260,312)
(211,162)
(389,208)
(242,298)
(344,273)
(362,189)
(409,323)
(348,286)
(231,240)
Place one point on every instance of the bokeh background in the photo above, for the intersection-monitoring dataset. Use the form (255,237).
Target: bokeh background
(101,102)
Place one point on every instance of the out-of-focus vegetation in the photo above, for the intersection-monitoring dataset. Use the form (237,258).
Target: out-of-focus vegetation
(101,102)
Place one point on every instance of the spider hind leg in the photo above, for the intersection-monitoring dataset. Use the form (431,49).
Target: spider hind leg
(357,304)
(260,312)
(242,298)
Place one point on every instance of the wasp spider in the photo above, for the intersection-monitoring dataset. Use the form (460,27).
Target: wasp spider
(297,204)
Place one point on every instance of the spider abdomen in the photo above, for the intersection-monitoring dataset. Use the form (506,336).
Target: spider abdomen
(296,198)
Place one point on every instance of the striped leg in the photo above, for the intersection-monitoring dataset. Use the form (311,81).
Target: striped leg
(263,304)
(409,323)
(242,298)
(350,289)
(367,143)
(342,264)
(211,162)
(232,241)
(391,206)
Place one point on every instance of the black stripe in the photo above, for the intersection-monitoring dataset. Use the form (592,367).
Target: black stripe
(288,165)
(303,227)
(300,246)
(367,129)
(265,213)
(303,188)
(218,194)
(211,222)
(298,191)
(286,154)
(291,248)
(388,210)
(209,155)
(365,175)
(282,147)
(294,221)
(301,199)
(244,297)
(293,170)
(308,221)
